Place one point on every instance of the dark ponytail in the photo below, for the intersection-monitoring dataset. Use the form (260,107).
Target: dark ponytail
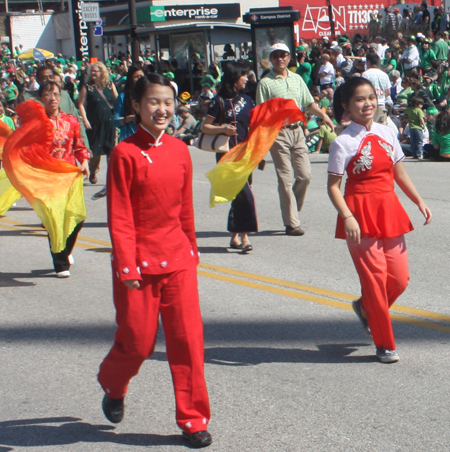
(345,92)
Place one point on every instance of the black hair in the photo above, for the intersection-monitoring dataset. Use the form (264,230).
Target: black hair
(415,101)
(48,86)
(213,71)
(373,59)
(144,83)
(233,71)
(345,92)
(128,107)
(443,123)
(43,68)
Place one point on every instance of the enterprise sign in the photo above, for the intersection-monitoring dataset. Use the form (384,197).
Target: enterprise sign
(80,28)
(195,12)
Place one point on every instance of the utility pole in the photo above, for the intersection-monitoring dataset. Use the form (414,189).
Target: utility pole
(331,17)
(133,33)
(6,6)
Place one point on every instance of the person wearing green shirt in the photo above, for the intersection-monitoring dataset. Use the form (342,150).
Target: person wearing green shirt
(304,69)
(404,95)
(427,55)
(440,48)
(325,102)
(11,91)
(428,82)
(416,118)
(441,139)
(6,119)
(326,137)
(389,62)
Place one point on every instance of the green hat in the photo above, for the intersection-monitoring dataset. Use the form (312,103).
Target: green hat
(208,81)
(432,110)
(297,49)
(169,75)
(342,40)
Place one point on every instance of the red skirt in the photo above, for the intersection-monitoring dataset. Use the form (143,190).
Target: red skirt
(378,214)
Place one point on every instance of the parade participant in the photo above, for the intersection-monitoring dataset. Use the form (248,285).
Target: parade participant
(371,218)
(66,105)
(289,152)
(229,113)
(68,146)
(154,261)
(40,162)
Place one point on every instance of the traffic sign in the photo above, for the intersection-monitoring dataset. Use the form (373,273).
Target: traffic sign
(90,12)
(98,31)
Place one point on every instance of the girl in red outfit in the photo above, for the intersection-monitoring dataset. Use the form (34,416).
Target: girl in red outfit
(371,218)
(154,261)
(68,146)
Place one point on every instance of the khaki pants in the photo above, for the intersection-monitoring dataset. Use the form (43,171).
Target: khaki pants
(291,160)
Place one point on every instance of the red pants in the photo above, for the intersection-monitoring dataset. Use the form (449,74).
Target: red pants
(175,296)
(382,266)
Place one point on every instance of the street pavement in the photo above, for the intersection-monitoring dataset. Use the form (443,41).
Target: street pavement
(287,365)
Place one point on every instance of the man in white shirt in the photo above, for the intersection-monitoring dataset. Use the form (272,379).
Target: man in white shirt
(396,81)
(326,72)
(337,50)
(410,58)
(381,83)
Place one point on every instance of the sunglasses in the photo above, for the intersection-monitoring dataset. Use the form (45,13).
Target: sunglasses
(278,55)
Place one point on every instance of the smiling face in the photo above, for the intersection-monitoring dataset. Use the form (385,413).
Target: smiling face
(156,108)
(241,82)
(363,104)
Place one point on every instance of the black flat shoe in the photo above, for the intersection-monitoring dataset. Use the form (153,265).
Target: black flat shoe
(198,439)
(114,409)
(247,248)
(235,246)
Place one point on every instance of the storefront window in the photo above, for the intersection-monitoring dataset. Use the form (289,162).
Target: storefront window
(189,52)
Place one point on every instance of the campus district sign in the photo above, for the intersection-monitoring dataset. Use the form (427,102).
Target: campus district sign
(349,16)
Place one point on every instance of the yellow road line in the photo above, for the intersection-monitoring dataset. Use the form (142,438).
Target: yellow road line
(336,304)
(325,292)
(278,282)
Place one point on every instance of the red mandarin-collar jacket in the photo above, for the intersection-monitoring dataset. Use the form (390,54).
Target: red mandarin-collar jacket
(67,142)
(150,211)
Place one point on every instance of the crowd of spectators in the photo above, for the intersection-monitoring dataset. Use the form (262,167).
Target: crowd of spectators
(404,55)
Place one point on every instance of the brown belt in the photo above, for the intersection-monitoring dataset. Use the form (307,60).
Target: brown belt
(292,126)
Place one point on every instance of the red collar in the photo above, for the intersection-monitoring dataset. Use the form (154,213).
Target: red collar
(147,137)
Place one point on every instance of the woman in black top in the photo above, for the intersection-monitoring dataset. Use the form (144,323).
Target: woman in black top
(229,113)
